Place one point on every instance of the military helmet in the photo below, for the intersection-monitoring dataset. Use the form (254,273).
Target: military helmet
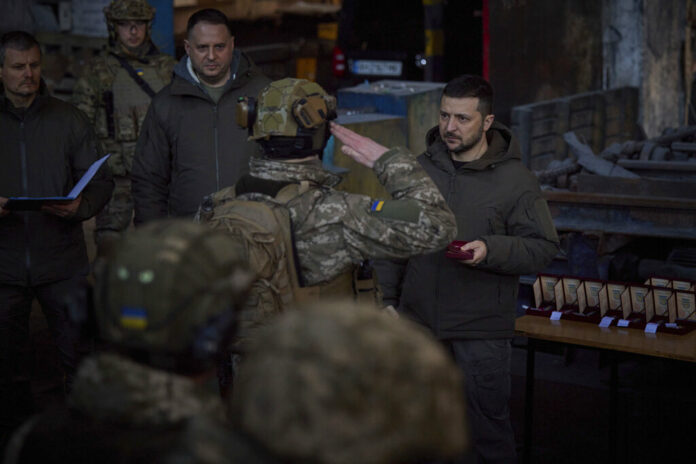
(122,10)
(167,293)
(369,388)
(289,115)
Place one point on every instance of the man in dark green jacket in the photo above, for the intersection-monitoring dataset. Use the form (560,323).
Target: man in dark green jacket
(189,145)
(47,145)
(470,304)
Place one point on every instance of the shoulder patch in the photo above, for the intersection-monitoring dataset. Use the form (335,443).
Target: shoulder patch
(402,210)
(377,205)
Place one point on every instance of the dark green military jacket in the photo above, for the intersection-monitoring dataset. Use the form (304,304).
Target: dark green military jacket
(497,200)
(190,146)
(44,151)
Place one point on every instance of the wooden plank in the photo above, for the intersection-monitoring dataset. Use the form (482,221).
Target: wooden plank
(582,118)
(545,127)
(681,347)
(637,187)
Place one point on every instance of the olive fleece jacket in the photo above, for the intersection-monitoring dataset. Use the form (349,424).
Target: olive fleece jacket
(189,145)
(497,200)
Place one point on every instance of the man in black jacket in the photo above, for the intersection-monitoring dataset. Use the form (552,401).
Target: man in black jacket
(47,145)
(189,145)
(470,303)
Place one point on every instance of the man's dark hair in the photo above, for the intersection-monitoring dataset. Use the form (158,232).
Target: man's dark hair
(471,86)
(16,40)
(208,16)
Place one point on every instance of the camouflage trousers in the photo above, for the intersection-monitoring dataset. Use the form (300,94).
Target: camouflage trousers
(116,216)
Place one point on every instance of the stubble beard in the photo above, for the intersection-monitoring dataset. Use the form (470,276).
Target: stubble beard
(467,144)
(212,80)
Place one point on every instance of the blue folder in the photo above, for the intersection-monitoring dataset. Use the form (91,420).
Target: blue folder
(35,203)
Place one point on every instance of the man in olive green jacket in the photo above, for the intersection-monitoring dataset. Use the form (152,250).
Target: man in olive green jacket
(189,145)
(470,303)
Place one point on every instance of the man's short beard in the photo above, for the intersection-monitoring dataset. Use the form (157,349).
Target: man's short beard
(468,145)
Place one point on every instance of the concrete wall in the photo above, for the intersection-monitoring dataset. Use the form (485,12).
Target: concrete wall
(622,35)
(16,14)
(543,49)
(662,88)
(643,47)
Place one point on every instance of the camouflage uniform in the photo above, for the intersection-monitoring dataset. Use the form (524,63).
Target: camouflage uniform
(142,405)
(116,105)
(123,411)
(344,384)
(332,230)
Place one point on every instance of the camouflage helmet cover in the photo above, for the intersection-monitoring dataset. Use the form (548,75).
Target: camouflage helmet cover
(124,10)
(119,10)
(284,103)
(348,372)
(167,286)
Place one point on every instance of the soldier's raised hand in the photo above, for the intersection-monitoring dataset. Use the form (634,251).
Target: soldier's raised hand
(362,149)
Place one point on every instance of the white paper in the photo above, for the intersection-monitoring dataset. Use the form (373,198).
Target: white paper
(622,322)
(672,325)
(606,321)
(556,315)
(651,327)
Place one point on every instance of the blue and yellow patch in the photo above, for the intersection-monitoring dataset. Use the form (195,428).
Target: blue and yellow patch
(140,72)
(377,205)
(133,318)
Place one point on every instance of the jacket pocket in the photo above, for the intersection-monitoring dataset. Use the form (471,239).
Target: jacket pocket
(495,221)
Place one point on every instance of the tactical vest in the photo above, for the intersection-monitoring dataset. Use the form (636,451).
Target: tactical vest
(123,106)
(130,107)
(265,229)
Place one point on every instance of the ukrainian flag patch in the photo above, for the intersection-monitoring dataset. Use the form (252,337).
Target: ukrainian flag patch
(139,72)
(133,318)
(377,205)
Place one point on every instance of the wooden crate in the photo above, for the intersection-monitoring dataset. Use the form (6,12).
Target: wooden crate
(597,118)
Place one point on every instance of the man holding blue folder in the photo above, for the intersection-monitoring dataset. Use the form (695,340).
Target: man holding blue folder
(46,147)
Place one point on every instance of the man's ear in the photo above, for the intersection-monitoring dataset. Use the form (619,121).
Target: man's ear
(187,47)
(488,122)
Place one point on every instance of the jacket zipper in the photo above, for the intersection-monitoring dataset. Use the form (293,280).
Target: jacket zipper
(25,192)
(215,135)
(450,191)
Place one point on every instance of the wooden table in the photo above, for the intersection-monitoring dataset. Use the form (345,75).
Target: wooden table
(613,339)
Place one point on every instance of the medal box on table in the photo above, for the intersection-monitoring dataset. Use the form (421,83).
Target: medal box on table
(658,305)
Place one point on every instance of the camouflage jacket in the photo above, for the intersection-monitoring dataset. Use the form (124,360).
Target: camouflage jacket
(333,230)
(115,103)
(122,411)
